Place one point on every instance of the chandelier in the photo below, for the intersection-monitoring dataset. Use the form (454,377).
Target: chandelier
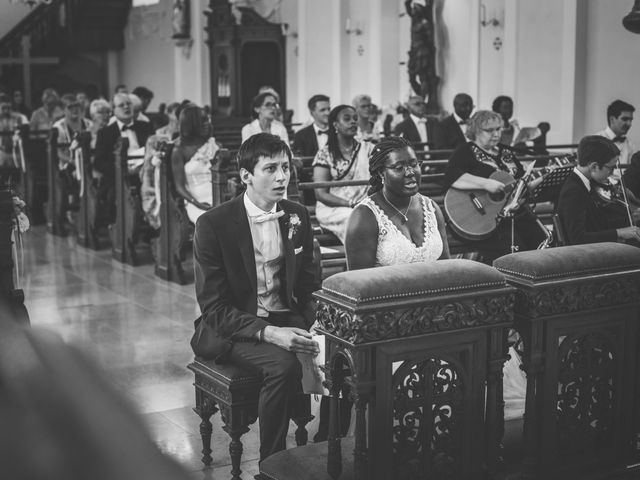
(32,3)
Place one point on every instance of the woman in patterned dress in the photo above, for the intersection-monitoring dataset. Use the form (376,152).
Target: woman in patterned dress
(343,158)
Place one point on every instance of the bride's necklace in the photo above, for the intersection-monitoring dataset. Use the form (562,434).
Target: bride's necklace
(405,219)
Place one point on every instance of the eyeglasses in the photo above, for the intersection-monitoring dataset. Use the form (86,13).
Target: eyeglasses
(609,168)
(493,130)
(270,105)
(404,167)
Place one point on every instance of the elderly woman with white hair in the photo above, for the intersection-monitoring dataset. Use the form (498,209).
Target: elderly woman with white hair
(470,168)
(368,130)
(100,111)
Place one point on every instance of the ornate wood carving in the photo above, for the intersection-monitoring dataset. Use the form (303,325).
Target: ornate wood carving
(384,325)
(577,297)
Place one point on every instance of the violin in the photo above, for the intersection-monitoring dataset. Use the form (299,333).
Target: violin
(613,197)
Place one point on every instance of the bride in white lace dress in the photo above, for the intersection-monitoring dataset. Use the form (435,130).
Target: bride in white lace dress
(395,224)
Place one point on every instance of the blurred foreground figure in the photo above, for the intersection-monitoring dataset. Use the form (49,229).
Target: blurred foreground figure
(60,419)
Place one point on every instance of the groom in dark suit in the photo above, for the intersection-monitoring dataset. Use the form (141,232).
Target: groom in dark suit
(254,277)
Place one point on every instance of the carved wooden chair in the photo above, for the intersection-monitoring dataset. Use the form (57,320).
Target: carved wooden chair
(234,391)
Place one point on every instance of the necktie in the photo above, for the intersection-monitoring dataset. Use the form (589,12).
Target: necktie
(619,139)
(127,127)
(462,122)
(266,217)
(323,132)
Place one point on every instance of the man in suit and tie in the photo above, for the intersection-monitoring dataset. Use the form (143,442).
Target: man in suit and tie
(619,119)
(582,219)
(452,129)
(104,162)
(417,128)
(254,276)
(308,140)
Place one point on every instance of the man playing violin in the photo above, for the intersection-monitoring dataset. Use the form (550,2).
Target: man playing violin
(584,220)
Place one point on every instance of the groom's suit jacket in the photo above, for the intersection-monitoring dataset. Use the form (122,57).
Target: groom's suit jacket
(226,279)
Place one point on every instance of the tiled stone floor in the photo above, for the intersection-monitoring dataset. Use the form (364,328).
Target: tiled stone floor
(137,327)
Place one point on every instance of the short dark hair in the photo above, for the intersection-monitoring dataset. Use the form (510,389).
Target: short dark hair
(617,107)
(119,86)
(260,145)
(495,106)
(143,92)
(315,99)
(596,148)
(258,100)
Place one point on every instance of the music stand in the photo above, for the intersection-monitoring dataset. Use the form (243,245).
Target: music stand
(549,188)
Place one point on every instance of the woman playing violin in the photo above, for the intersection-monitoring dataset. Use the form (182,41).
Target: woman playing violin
(470,167)
(584,220)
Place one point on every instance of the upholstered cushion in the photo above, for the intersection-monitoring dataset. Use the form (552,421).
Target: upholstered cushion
(226,373)
(573,261)
(412,281)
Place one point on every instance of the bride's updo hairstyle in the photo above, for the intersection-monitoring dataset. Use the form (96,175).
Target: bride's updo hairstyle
(379,155)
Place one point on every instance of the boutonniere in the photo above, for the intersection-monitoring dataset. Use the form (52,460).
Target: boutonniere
(293,224)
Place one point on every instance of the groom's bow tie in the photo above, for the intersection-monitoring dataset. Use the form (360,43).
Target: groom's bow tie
(266,217)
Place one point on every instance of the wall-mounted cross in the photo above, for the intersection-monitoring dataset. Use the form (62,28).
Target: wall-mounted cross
(27,61)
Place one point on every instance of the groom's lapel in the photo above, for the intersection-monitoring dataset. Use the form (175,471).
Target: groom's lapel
(245,241)
(289,256)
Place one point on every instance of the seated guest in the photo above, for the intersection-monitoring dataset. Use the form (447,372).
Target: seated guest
(264,108)
(170,130)
(104,163)
(451,132)
(582,218)
(100,112)
(470,167)
(417,128)
(395,224)
(254,293)
(631,179)
(191,159)
(308,140)
(9,122)
(512,133)
(343,158)
(619,120)
(44,117)
(85,101)
(18,105)
(367,129)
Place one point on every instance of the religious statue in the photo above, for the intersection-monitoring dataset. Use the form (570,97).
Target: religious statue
(422,55)
(180,19)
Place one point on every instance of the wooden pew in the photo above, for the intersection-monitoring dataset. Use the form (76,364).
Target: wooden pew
(11,298)
(35,183)
(168,248)
(56,198)
(87,224)
(125,232)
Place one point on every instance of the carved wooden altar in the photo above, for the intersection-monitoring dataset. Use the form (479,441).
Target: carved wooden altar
(418,346)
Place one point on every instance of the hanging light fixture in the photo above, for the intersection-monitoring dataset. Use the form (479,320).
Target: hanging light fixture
(632,21)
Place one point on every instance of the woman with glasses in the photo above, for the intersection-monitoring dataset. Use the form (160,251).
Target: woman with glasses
(470,168)
(265,108)
(191,160)
(342,158)
(395,224)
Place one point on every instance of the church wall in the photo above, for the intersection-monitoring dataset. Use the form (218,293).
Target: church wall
(612,69)
(148,56)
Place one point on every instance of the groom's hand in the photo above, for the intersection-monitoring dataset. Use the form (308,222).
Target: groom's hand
(291,339)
